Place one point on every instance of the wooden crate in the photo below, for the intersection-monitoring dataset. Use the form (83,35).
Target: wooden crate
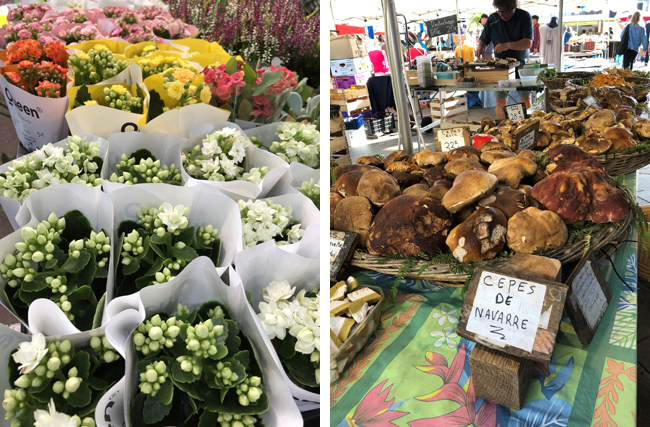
(491,76)
(454,109)
(341,96)
(412,78)
(337,125)
(343,160)
(338,144)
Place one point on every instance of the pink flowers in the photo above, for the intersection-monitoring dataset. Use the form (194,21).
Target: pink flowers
(262,107)
(288,80)
(169,28)
(48,90)
(222,84)
(30,12)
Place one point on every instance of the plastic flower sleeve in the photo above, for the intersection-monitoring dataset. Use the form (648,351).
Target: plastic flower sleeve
(11,206)
(207,206)
(163,147)
(37,120)
(197,284)
(278,174)
(44,315)
(257,268)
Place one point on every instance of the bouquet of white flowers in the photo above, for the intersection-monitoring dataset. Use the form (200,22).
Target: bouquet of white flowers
(263,220)
(298,142)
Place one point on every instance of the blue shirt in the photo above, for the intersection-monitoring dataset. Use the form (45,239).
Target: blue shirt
(519,27)
(637,38)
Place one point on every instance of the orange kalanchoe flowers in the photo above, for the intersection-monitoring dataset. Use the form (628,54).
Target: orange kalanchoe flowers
(57,53)
(24,50)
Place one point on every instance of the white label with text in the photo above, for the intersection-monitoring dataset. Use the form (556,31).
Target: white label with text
(515,112)
(506,310)
(591,299)
(527,141)
(335,248)
(451,138)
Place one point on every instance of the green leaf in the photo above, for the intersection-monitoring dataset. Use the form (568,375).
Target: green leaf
(82,96)
(287,347)
(250,75)
(157,265)
(143,282)
(84,307)
(245,110)
(50,263)
(154,409)
(179,375)
(81,360)
(186,236)
(137,409)
(215,256)
(246,92)
(156,105)
(185,254)
(192,389)
(77,226)
(301,370)
(208,419)
(81,397)
(231,66)
(269,78)
(86,275)
(243,357)
(164,240)
(99,313)
(142,154)
(75,265)
(36,285)
(154,247)
(233,342)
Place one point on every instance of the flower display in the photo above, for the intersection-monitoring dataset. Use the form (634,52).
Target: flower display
(79,163)
(263,220)
(160,245)
(312,191)
(27,31)
(220,157)
(293,325)
(64,384)
(28,13)
(169,28)
(80,33)
(117,96)
(115,11)
(266,90)
(152,12)
(62,259)
(73,15)
(202,357)
(299,142)
(160,64)
(95,66)
(33,73)
(178,83)
(142,167)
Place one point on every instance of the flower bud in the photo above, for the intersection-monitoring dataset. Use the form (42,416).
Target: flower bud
(254,394)
(58,387)
(23,381)
(73,372)
(53,364)
(243,400)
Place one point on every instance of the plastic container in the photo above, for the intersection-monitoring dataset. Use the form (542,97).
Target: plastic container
(529,71)
(510,83)
(357,340)
(354,122)
(374,126)
(529,80)
(446,75)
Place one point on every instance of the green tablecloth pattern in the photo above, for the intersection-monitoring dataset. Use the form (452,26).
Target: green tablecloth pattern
(414,372)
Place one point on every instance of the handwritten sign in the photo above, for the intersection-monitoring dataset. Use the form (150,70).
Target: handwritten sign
(507,310)
(448,139)
(591,101)
(341,245)
(515,112)
(526,137)
(442,26)
(588,298)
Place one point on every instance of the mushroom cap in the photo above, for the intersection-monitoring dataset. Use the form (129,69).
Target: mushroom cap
(405,180)
(466,152)
(641,128)
(550,127)
(529,155)
(620,138)
(529,166)
(335,198)
(481,236)
(456,167)
(340,170)
(439,189)
(533,229)
(409,225)
(420,189)
(494,145)
(509,175)
(543,139)
(435,173)
(370,161)
(347,183)
(491,156)
(468,187)
(354,214)
(600,120)
(395,156)
(593,143)
(507,200)
(401,166)
(378,186)
(428,159)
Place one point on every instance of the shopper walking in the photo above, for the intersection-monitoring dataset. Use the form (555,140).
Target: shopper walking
(636,38)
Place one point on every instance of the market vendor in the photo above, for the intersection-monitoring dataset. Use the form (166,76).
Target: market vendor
(511,31)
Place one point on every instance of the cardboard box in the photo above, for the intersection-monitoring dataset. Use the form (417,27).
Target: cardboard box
(356,137)
(351,67)
(346,82)
(348,46)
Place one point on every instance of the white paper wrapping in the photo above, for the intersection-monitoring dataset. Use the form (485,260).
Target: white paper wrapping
(45,316)
(278,174)
(164,147)
(11,206)
(199,283)
(37,120)
(180,121)
(257,268)
(100,120)
(207,207)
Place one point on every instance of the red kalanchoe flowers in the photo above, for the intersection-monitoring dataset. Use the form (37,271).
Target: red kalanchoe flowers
(48,89)
(57,53)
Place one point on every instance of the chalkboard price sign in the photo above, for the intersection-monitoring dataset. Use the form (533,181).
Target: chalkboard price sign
(515,112)
(442,26)
(526,138)
(342,245)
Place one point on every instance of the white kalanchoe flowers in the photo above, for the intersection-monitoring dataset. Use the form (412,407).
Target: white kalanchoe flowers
(30,353)
(52,418)
(278,291)
(173,217)
(262,220)
(220,157)
(299,142)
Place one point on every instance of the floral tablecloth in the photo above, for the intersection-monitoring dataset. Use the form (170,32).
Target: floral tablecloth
(415,370)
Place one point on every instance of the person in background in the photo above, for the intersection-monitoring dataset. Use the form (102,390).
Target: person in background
(536,36)
(489,50)
(584,32)
(610,33)
(567,36)
(511,31)
(647,33)
(637,38)
(382,43)
(468,52)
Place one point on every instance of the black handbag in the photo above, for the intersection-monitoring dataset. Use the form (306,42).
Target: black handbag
(625,38)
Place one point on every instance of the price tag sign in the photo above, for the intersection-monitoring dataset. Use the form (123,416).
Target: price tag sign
(591,101)
(507,310)
(342,245)
(526,138)
(588,298)
(515,112)
(448,139)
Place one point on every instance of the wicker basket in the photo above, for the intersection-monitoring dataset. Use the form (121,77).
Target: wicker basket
(562,78)
(621,164)
(555,83)
(607,240)
(643,260)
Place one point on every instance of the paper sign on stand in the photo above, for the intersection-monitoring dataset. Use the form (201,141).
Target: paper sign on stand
(526,138)
(515,112)
(449,139)
(341,248)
